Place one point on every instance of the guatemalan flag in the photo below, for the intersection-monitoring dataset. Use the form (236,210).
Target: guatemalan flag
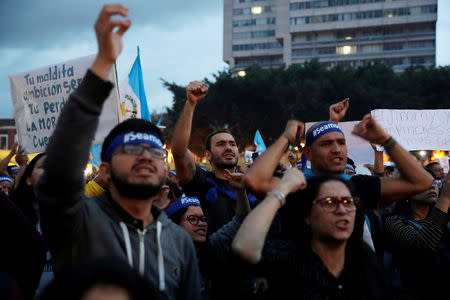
(260,146)
(133,103)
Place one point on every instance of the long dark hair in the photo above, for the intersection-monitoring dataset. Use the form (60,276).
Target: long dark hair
(367,276)
(23,195)
(299,204)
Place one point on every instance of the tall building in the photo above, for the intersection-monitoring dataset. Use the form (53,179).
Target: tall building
(271,33)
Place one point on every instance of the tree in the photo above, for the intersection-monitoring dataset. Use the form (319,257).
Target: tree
(266,99)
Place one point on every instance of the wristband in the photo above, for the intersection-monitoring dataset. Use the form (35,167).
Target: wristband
(280,196)
(389,144)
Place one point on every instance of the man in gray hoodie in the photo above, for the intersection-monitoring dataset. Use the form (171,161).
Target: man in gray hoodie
(122,222)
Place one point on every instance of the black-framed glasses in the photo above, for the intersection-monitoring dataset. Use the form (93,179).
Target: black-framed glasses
(194,219)
(137,149)
(330,203)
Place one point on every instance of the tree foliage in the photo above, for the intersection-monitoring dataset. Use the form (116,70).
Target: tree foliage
(266,99)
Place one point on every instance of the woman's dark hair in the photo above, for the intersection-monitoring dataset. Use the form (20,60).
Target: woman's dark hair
(359,258)
(23,194)
(176,217)
(299,204)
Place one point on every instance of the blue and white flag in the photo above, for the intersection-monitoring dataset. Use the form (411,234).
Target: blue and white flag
(133,103)
(260,146)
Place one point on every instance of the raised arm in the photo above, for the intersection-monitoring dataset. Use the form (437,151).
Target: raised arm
(109,39)
(184,161)
(378,167)
(249,240)
(259,177)
(338,110)
(78,121)
(413,178)
(22,161)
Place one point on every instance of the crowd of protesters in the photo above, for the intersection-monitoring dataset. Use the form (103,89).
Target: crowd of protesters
(138,230)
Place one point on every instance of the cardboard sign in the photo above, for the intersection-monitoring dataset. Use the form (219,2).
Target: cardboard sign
(39,95)
(416,129)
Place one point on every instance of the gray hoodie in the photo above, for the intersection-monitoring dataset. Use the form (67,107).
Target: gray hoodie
(81,227)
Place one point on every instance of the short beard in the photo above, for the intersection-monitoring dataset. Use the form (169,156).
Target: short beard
(223,165)
(135,190)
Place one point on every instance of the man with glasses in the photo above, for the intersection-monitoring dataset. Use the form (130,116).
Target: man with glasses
(121,222)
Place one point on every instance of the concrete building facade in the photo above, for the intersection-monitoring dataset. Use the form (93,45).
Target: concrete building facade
(271,33)
(8,133)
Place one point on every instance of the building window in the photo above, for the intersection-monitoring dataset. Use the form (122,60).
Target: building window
(302,52)
(421,44)
(3,141)
(395,61)
(243,1)
(253,34)
(345,50)
(263,61)
(418,60)
(253,22)
(330,3)
(392,46)
(251,10)
(259,46)
(371,48)
(360,15)
(327,50)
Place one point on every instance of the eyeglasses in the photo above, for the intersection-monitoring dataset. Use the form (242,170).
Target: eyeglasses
(155,153)
(194,219)
(331,203)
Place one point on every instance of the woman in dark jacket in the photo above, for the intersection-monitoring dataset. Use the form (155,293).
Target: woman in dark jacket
(320,255)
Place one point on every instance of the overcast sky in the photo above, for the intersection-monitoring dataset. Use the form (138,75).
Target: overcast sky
(179,40)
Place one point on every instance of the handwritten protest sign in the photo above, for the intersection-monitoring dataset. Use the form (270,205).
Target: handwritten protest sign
(39,95)
(358,149)
(416,129)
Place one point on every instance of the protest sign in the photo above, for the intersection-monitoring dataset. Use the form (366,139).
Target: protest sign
(358,149)
(39,95)
(416,129)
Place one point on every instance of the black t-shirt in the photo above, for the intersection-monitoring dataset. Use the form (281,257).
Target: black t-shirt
(220,210)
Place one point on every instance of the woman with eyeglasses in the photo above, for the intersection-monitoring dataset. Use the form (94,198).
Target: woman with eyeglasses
(321,255)
(214,250)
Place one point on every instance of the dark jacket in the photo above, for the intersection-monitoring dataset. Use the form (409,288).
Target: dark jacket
(81,227)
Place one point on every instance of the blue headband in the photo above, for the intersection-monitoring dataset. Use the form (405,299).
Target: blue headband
(132,137)
(349,167)
(13,169)
(5,178)
(180,203)
(173,172)
(321,129)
